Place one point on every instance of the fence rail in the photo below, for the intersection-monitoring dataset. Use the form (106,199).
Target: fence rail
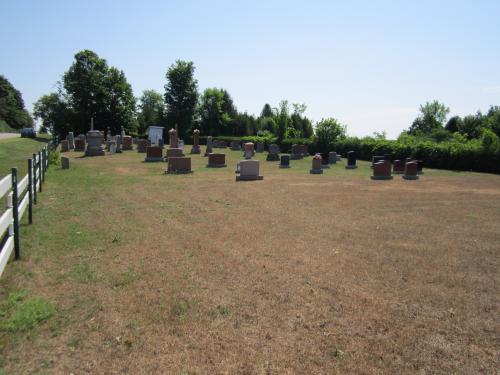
(21,195)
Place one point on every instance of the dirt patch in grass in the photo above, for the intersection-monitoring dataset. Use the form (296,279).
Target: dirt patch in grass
(294,274)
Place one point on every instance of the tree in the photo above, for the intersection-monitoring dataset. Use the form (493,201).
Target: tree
(267,111)
(181,96)
(432,116)
(211,112)
(151,110)
(328,131)
(453,124)
(472,125)
(12,109)
(282,119)
(300,125)
(492,120)
(95,90)
(55,113)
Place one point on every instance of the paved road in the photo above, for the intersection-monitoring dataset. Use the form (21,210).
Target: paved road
(9,135)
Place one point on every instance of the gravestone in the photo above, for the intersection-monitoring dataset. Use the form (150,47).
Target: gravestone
(376,159)
(64,146)
(216,160)
(174,153)
(154,153)
(285,161)
(260,147)
(80,145)
(127,143)
(71,140)
(382,170)
(95,140)
(112,145)
(274,153)
(142,145)
(173,141)
(316,164)
(155,133)
(249,171)
(118,144)
(420,165)
(398,167)
(332,157)
(64,162)
(235,145)
(180,144)
(411,171)
(299,151)
(179,165)
(122,134)
(196,142)
(325,162)
(209,146)
(248,148)
(351,160)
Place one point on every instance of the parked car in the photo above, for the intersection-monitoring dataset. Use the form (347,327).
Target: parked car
(28,133)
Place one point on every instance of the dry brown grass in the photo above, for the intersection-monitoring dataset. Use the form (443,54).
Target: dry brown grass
(296,274)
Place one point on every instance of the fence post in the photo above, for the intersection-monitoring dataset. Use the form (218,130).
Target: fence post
(40,170)
(15,208)
(30,191)
(33,164)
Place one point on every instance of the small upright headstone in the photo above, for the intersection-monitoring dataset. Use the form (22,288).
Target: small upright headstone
(351,160)
(209,146)
(80,144)
(64,146)
(179,165)
(398,167)
(127,143)
(180,144)
(285,161)
(376,159)
(260,147)
(235,145)
(71,140)
(119,144)
(249,171)
(112,145)
(382,170)
(332,157)
(154,153)
(316,165)
(274,153)
(64,162)
(411,171)
(325,162)
(216,160)
(142,145)
(196,142)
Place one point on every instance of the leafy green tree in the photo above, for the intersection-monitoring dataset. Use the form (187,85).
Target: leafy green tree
(12,109)
(282,119)
(211,112)
(267,124)
(453,124)
(471,125)
(492,120)
(95,90)
(300,125)
(328,131)
(55,113)
(267,111)
(151,110)
(181,96)
(432,116)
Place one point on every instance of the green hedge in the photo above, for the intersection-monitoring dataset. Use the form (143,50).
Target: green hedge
(468,156)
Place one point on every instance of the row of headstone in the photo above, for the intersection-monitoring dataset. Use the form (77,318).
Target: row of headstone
(382,170)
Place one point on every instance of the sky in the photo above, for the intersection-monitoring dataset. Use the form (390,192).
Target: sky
(369,64)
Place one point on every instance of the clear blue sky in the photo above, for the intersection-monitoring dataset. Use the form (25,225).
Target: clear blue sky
(368,63)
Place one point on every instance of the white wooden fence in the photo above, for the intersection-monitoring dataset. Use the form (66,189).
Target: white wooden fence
(21,195)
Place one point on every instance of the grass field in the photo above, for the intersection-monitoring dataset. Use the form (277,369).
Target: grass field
(15,152)
(130,271)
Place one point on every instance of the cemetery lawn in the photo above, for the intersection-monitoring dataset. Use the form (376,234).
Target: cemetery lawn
(146,273)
